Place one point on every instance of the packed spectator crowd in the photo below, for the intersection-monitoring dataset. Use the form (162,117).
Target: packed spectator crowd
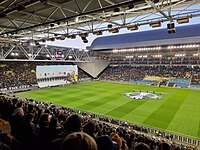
(14,74)
(45,126)
(128,72)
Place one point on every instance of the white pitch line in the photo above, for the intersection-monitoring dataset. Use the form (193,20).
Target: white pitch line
(116,107)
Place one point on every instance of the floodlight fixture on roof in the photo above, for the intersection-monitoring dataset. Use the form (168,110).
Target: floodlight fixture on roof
(113,30)
(62,37)
(155,24)
(84,39)
(132,27)
(171,28)
(72,36)
(52,39)
(97,32)
(43,40)
(37,43)
(109,25)
(83,35)
(184,19)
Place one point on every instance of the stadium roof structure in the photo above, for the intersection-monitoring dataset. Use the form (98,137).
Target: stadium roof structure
(43,20)
(184,34)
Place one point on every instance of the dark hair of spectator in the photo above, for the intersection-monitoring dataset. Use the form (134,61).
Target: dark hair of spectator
(79,141)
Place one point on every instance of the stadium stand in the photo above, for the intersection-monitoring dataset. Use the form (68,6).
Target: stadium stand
(13,76)
(154,58)
(40,125)
(180,82)
(23,74)
(181,74)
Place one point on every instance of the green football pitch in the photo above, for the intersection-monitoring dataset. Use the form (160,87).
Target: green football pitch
(178,110)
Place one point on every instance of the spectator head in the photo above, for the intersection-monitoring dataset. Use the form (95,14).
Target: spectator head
(53,122)
(115,137)
(124,145)
(141,146)
(14,101)
(18,112)
(89,128)
(79,141)
(28,118)
(44,120)
(164,146)
(74,123)
(104,143)
(30,107)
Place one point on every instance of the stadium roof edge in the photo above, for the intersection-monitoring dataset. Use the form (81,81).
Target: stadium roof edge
(184,34)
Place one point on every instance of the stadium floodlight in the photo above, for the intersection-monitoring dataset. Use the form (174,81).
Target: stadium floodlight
(132,27)
(179,55)
(70,57)
(171,28)
(52,39)
(129,56)
(43,40)
(51,25)
(181,20)
(83,35)
(37,43)
(72,36)
(62,37)
(195,54)
(155,24)
(84,39)
(144,56)
(157,56)
(97,32)
(76,19)
(113,30)
(14,54)
(109,25)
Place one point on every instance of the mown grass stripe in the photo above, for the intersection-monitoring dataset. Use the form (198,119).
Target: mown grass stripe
(162,116)
(106,98)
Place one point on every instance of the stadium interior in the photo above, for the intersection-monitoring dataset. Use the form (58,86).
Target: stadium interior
(166,58)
